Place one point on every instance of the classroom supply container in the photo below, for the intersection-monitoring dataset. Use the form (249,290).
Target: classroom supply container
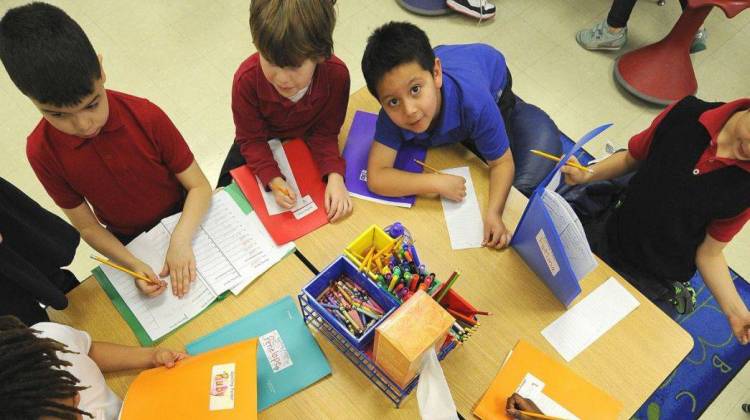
(373,236)
(343,266)
(360,350)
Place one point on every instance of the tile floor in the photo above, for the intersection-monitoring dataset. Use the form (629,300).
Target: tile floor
(181,54)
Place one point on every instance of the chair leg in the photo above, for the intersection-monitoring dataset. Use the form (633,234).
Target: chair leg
(660,2)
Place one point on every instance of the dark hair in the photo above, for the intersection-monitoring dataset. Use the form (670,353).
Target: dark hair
(287,32)
(32,375)
(391,45)
(47,55)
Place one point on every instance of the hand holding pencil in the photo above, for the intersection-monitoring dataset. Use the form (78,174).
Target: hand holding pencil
(144,276)
(574,175)
(284,195)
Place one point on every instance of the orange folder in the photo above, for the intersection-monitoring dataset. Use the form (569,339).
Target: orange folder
(284,227)
(219,384)
(577,395)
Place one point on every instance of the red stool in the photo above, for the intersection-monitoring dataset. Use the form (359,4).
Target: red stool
(662,72)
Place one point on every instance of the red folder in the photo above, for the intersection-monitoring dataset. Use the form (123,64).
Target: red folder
(284,227)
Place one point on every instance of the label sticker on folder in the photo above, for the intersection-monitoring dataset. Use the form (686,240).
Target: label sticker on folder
(222,387)
(549,256)
(275,350)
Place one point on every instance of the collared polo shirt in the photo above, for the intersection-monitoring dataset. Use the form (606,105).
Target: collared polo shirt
(261,114)
(713,120)
(474,76)
(127,173)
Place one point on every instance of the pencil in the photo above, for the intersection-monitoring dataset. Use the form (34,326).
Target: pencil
(424,165)
(125,270)
(557,159)
(451,280)
(282,190)
(538,416)
(482,313)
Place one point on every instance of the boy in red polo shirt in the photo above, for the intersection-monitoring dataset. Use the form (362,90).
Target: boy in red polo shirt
(100,149)
(688,196)
(292,87)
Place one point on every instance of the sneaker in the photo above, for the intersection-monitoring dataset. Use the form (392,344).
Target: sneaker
(599,38)
(699,41)
(480,9)
(684,297)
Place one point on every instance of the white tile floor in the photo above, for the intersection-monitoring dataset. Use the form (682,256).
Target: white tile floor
(182,54)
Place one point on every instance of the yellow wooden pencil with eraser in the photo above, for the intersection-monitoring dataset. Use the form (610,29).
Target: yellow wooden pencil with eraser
(557,159)
(424,165)
(139,276)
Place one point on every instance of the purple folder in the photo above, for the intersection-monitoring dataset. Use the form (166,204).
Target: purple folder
(356,152)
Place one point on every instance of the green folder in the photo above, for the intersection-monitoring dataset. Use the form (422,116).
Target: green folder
(299,366)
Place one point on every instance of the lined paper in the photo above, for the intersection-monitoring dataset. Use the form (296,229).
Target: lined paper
(590,318)
(464,220)
(571,233)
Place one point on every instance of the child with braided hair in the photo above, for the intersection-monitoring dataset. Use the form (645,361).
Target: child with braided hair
(55,371)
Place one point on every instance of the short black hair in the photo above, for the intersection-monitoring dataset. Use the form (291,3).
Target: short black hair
(47,55)
(391,45)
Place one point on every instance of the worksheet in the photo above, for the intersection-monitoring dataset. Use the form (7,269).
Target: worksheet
(464,219)
(590,318)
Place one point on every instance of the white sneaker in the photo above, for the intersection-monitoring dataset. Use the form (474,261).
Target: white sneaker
(480,9)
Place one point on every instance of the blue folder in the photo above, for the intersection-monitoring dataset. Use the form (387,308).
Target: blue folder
(308,364)
(537,241)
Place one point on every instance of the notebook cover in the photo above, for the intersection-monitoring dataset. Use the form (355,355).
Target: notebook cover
(356,152)
(576,394)
(308,364)
(284,227)
(186,390)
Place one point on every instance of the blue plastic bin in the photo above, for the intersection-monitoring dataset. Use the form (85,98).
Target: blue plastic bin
(343,266)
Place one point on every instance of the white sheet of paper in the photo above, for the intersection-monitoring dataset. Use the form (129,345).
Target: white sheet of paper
(532,388)
(305,206)
(464,220)
(590,318)
(274,253)
(571,232)
(280,157)
(161,314)
(231,250)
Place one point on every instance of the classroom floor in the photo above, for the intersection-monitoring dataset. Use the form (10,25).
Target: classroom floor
(182,55)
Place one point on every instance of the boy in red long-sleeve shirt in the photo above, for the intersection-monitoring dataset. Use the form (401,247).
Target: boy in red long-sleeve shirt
(292,87)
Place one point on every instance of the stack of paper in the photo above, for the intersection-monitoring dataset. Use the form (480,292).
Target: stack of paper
(463,218)
(231,250)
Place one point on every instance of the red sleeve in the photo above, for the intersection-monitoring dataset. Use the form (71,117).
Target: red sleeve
(50,175)
(723,230)
(639,144)
(324,138)
(251,132)
(175,152)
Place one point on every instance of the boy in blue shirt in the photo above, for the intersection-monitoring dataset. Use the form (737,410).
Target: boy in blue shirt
(456,93)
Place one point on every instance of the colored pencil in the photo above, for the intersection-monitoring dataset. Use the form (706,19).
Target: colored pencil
(461,317)
(482,313)
(451,280)
(557,159)
(139,276)
(424,165)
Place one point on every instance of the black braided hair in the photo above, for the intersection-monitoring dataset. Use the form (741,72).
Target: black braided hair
(32,376)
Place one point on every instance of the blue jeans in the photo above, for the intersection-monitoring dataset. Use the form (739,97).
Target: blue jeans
(528,128)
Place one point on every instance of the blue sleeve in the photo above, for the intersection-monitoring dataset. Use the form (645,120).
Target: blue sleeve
(386,132)
(488,130)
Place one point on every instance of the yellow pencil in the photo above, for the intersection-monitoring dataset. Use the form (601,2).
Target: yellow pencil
(538,416)
(282,190)
(125,270)
(424,165)
(557,159)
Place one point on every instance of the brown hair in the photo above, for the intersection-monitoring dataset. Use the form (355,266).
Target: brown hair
(287,32)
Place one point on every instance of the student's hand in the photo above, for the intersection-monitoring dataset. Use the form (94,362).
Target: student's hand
(518,403)
(337,201)
(496,235)
(148,289)
(179,265)
(451,187)
(166,357)
(574,176)
(740,324)
(278,186)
